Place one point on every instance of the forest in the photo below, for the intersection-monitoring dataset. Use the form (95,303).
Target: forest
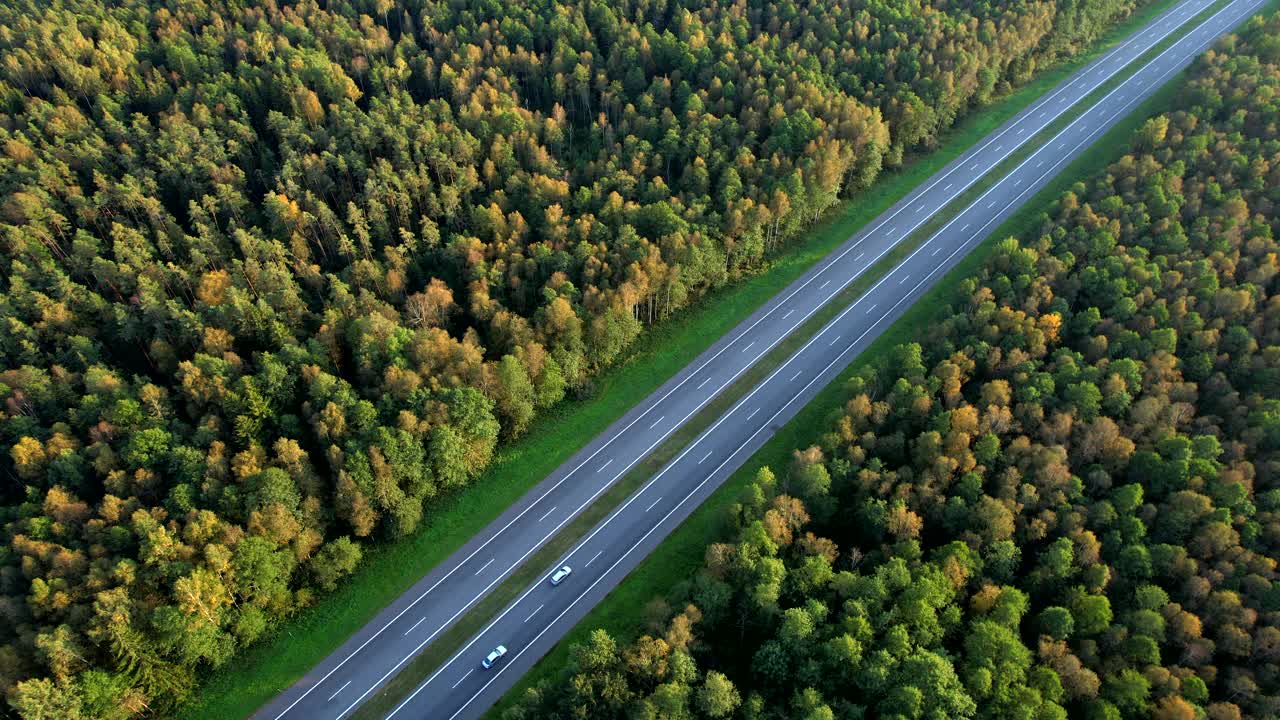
(1065,502)
(278,275)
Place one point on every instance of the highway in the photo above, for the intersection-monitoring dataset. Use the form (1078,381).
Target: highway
(532,624)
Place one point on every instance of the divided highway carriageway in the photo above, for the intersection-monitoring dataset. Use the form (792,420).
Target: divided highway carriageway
(460,688)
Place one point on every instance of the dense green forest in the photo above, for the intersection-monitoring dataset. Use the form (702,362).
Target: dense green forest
(276,274)
(1064,503)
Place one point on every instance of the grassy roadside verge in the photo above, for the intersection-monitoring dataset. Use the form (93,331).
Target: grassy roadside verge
(277,661)
(680,555)
(506,592)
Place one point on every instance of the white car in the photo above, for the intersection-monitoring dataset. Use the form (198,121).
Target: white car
(494,656)
(559,575)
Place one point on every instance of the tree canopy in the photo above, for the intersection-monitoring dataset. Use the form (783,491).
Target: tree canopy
(276,275)
(1063,502)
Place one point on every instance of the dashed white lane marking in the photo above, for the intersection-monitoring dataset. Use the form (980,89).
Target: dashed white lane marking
(835,340)
(1017,183)
(485,566)
(991,204)
(948,187)
(602,467)
(936,250)
(966,227)
(1040,164)
(904,279)
(784,317)
(873,307)
(415,625)
(859,257)
(920,207)
(655,502)
(748,347)
(464,677)
(344,687)
(593,559)
(999,148)
(1021,130)
(704,457)
(892,230)
(535,612)
(824,285)
(655,422)
(798,374)
(545,514)
(753,413)
(704,382)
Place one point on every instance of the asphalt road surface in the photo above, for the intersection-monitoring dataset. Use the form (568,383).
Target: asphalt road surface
(532,624)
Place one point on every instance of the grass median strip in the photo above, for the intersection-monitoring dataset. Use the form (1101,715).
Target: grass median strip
(681,554)
(280,659)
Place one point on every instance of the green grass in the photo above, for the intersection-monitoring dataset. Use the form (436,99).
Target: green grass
(680,555)
(388,570)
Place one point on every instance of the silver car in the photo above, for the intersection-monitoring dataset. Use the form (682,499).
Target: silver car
(494,656)
(558,576)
